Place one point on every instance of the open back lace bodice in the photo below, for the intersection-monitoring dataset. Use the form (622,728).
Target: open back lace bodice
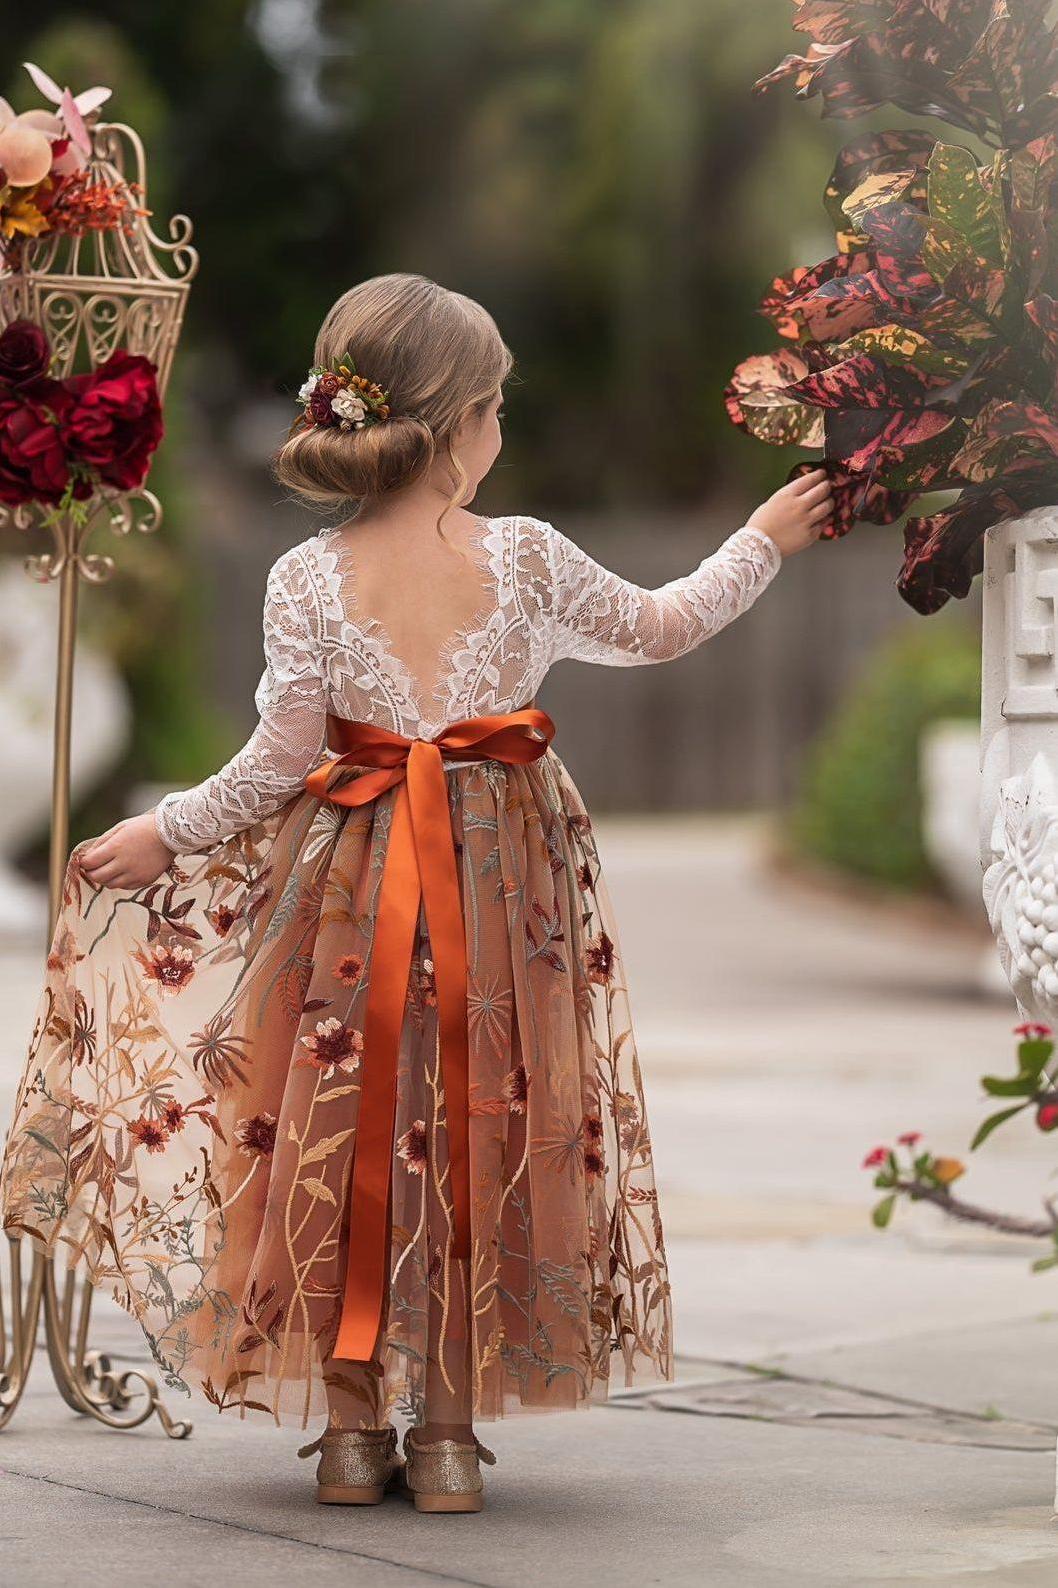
(544,599)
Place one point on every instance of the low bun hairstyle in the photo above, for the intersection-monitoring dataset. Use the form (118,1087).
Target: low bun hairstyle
(437,354)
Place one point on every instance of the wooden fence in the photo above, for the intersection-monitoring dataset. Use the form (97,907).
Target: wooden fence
(724,728)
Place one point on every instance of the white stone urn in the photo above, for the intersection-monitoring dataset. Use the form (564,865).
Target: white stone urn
(1019,758)
(102,720)
(1019,755)
(949,756)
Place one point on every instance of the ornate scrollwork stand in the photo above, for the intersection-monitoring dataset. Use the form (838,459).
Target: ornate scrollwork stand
(91,295)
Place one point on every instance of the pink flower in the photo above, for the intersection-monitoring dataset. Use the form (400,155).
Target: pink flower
(1032,1029)
(910,1138)
(876,1157)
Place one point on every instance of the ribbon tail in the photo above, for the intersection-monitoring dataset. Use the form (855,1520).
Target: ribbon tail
(432,826)
(367,1274)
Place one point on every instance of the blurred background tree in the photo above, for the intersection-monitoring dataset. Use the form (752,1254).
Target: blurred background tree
(596,171)
(593,170)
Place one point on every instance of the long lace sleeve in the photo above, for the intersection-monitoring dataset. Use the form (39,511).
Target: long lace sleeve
(599,617)
(288,739)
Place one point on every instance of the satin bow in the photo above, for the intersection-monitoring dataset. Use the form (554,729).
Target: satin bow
(420,869)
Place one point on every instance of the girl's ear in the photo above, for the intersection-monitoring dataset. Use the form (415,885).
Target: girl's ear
(465,426)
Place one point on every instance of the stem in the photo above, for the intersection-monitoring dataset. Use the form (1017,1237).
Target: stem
(970,1213)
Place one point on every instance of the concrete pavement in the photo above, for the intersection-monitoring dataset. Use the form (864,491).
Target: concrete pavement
(853,1408)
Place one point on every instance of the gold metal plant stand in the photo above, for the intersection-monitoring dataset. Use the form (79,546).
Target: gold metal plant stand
(91,295)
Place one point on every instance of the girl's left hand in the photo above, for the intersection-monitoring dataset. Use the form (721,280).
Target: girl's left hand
(130,855)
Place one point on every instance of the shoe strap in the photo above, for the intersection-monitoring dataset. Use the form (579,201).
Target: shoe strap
(337,1433)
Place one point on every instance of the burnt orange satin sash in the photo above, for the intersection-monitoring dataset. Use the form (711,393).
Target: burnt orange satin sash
(420,867)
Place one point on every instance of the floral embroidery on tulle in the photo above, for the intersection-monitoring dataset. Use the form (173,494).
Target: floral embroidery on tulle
(187,1117)
(187,1120)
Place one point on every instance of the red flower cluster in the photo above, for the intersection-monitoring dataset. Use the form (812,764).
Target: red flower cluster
(63,440)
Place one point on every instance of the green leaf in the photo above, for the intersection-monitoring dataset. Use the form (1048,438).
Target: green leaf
(1033,1054)
(899,344)
(883,1212)
(993,1122)
(967,213)
(1021,1086)
(1043,1263)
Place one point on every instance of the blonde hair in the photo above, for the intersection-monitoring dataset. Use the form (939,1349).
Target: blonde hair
(437,354)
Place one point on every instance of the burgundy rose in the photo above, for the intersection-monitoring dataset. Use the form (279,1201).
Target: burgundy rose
(24,352)
(116,419)
(319,409)
(34,466)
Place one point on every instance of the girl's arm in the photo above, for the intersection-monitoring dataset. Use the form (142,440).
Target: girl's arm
(600,617)
(286,744)
(268,771)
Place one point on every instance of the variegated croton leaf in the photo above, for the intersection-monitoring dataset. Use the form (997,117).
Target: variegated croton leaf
(758,400)
(922,356)
(985,66)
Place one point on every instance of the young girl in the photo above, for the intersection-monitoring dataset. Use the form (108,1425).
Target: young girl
(333,1081)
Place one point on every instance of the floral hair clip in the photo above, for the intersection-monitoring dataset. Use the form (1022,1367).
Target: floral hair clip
(341,398)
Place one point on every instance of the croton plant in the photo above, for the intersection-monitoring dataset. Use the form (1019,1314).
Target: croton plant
(922,355)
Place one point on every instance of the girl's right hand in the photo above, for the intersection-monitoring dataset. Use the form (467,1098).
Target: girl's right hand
(795,515)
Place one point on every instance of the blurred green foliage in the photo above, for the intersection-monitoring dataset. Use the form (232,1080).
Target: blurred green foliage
(860,806)
(596,171)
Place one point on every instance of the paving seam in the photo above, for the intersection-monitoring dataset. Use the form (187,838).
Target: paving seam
(653,1399)
(240,1527)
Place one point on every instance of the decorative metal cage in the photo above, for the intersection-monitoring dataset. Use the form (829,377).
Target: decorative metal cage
(121,288)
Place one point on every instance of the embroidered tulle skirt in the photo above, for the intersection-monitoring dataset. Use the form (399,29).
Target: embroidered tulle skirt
(187,1121)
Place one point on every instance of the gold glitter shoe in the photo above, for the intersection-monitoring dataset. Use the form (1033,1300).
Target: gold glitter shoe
(446,1476)
(356,1466)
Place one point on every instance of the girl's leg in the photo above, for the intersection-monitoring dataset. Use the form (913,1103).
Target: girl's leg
(449,1400)
(354,1395)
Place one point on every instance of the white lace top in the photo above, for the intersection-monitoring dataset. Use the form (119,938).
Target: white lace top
(546,600)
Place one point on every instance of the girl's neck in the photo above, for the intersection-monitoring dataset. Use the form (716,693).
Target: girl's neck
(414,535)
(413,511)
